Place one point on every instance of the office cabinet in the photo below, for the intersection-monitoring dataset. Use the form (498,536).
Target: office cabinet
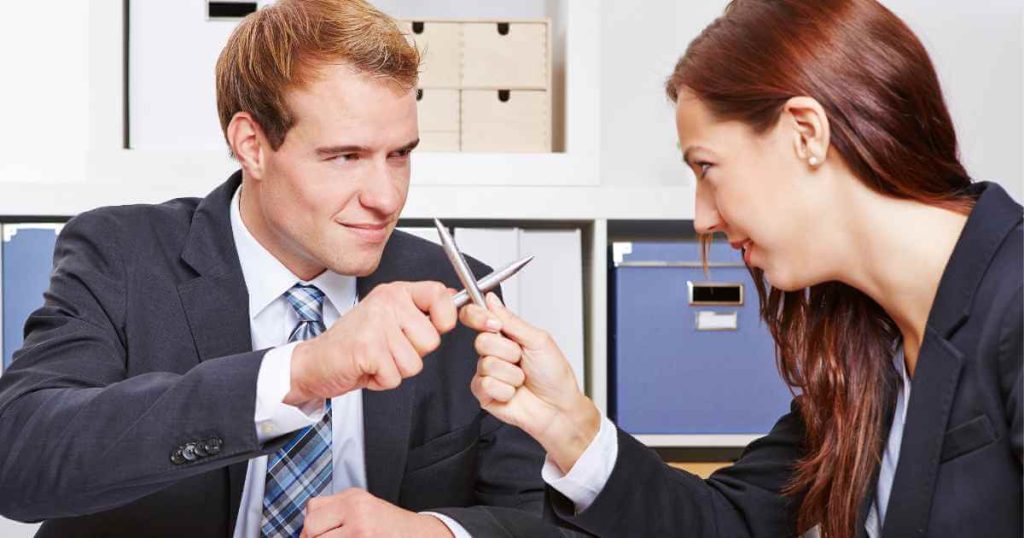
(440,46)
(438,119)
(690,354)
(506,121)
(506,55)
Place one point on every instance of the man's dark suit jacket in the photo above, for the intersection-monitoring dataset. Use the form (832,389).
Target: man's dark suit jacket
(959,472)
(143,349)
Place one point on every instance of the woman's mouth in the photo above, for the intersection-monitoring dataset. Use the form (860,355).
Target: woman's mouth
(746,247)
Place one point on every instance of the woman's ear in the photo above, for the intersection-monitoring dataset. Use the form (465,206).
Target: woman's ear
(248,144)
(810,129)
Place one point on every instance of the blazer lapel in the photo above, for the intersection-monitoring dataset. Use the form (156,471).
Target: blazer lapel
(216,302)
(939,364)
(387,415)
(931,398)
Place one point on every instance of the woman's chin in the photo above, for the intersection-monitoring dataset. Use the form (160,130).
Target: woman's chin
(784,280)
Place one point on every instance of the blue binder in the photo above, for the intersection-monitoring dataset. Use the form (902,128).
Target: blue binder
(690,354)
(27,261)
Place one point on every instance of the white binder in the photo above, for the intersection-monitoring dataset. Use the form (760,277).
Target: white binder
(548,293)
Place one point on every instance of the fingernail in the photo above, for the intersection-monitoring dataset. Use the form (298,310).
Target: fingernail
(493,324)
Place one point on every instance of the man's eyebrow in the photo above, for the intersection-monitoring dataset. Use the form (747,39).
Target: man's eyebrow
(410,146)
(337,150)
(328,151)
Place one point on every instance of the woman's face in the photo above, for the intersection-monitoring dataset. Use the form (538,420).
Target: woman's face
(759,190)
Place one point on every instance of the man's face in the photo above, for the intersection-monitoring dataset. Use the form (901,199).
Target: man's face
(331,195)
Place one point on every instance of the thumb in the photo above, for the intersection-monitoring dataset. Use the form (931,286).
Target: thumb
(514,327)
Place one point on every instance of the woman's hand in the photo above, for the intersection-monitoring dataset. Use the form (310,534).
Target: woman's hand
(523,379)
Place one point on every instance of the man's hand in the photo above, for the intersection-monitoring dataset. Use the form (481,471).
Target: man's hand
(380,342)
(523,379)
(355,513)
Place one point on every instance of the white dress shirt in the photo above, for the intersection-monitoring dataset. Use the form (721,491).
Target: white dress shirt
(271,321)
(588,477)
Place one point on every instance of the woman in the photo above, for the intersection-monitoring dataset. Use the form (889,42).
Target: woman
(824,150)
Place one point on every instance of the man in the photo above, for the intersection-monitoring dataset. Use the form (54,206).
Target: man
(137,405)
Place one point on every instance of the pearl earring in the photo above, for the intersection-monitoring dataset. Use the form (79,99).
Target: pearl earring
(813,160)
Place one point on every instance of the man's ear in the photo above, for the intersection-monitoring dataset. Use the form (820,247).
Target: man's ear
(810,129)
(248,144)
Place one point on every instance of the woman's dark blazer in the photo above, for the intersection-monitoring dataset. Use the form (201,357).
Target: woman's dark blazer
(959,472)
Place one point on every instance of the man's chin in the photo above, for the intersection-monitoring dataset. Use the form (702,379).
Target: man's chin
(365,266)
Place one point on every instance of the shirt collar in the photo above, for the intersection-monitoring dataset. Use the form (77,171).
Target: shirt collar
(267,278)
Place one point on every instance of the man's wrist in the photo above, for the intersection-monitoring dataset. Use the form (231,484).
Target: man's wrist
(435,526)
(298,395)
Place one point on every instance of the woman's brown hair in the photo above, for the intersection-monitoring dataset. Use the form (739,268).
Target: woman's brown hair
(890,125)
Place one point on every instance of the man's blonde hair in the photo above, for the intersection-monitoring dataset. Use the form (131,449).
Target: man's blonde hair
(281,47)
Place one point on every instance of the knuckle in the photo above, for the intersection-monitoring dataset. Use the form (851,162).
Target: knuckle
(391,381)
(413,368)
(433,341)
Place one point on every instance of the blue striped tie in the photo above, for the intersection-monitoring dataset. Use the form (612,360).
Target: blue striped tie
(301,469)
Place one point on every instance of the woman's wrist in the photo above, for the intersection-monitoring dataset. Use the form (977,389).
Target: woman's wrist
(573,430)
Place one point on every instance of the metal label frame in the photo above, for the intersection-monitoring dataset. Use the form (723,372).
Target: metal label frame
(690,285)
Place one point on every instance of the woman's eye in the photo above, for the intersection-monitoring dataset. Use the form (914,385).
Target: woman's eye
(703,167)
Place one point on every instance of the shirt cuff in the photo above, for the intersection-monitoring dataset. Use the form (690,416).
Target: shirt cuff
(275,418)
(587,478)
(457,530)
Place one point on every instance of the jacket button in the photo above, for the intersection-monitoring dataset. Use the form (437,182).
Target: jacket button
(200,448)
(189,452)
(213,445)
(177,458)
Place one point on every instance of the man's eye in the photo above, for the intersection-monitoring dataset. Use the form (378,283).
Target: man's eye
(703,167)
(402,153)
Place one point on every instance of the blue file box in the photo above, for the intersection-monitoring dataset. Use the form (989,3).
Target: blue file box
(690,355)
(27,264)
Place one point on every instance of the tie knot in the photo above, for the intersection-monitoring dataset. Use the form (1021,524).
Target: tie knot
(308,302)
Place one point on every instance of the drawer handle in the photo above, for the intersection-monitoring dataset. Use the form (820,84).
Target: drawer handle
(503,28)
(504,95)
(417,27)
(229,10)
(419,94)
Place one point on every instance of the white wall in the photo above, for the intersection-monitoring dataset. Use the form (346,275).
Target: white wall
(44,91)
(976,47)
(977,51)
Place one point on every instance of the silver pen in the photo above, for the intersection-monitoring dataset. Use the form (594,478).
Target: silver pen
(492,280)
(460,265)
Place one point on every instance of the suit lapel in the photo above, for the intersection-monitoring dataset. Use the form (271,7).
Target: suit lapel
(939,364)
(216,302)
(387,415)
(217,310)
(931,398)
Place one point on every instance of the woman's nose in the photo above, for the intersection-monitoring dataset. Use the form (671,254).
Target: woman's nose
(706,218)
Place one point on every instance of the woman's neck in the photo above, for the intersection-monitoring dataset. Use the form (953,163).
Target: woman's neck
(899,252)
